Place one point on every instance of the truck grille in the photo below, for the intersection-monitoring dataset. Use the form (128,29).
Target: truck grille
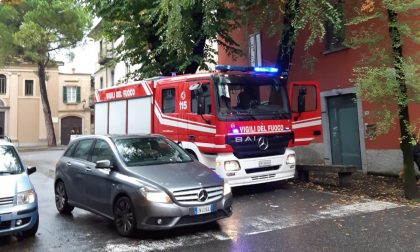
(190,196)
(268,176)
(6,201)
(262,169)
(247,146)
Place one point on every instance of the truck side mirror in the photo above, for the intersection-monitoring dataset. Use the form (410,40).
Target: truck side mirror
(301,100)
(198,91)
(200,104)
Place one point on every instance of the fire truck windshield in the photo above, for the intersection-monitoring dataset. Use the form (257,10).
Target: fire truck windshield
(251,97)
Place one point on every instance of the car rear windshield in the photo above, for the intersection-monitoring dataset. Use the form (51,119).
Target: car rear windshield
(150,151)
(9,161)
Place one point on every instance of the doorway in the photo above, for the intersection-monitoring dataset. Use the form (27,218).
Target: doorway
(344,130)
(70,125)
(2,124)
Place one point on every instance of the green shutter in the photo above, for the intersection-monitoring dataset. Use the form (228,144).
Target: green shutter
(64,94)
(78,95)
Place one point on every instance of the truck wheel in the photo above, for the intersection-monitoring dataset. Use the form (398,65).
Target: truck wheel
(32,232)
(61,199)
(124,216)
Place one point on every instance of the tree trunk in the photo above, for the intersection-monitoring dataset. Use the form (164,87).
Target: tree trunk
(46,105)
(198,50)
(200,40)
(410,189)
(288,39)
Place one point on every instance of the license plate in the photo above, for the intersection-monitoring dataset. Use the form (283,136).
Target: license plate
(203,209)
(263,163)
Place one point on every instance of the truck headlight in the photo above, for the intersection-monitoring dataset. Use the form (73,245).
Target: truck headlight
(26,197)
(155,195)
(232,166)
(291,159)
(226,189)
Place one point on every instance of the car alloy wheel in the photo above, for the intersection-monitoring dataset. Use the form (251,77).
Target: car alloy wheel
(124,217)
(61,199)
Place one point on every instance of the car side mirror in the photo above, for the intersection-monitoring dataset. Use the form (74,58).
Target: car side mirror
(30,170)
(103,164)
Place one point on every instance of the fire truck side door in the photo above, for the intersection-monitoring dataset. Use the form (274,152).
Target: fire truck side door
(305,105)
(202,130)
(167,113)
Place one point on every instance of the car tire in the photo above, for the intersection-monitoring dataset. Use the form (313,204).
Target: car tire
(61,199)
(124,216)
(32,232)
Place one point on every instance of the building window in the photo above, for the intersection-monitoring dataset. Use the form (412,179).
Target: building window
(71,94)
(112,78)
(101,82)
(29,87)
(168,100)
(3,86)
(335,36)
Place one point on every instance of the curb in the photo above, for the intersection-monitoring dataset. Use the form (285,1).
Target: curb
(42,148)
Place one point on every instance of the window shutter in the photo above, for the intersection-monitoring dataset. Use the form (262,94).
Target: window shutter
(64,94)
(78,95)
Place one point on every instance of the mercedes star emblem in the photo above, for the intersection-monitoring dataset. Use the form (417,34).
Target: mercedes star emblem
(263,143)
(202,195)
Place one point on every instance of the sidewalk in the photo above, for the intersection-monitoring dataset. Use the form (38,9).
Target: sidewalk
(40,148)
(376,187)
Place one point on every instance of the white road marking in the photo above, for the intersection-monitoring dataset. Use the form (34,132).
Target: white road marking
(259,224)
(233,229)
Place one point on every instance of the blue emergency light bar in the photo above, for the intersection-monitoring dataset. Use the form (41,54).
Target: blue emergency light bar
(266,69)
(225,68)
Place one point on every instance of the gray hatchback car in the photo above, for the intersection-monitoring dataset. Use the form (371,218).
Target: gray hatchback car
(18,199)
(139,182)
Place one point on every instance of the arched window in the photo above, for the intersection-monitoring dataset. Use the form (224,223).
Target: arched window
(3,85)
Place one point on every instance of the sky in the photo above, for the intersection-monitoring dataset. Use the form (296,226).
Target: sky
(84,60)
(85,56)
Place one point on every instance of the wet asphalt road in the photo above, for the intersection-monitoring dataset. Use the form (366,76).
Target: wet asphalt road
(266,218)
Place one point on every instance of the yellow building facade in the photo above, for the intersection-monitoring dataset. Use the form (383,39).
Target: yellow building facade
(21,112)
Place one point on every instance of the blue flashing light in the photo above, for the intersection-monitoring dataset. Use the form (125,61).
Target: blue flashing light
(235,131)
(266,69)
(225,68)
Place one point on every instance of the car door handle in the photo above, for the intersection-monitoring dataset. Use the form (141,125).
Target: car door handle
(88,169)
(68,164)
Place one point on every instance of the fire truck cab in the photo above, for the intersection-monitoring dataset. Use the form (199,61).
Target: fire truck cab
(239,121)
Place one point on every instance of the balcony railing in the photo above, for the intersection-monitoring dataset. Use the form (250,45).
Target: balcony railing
(105,56)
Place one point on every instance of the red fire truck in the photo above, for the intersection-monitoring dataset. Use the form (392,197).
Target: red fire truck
(239,121)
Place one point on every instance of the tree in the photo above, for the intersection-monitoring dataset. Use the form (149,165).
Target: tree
(167,36)
(390,76)
(36,28)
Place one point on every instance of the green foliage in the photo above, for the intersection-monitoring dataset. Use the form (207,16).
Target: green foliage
(166,36)
(35,28)
(10,20)
(379,75)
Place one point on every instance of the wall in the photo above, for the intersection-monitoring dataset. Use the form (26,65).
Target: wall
(81,109)
(334,69)
(25,123)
